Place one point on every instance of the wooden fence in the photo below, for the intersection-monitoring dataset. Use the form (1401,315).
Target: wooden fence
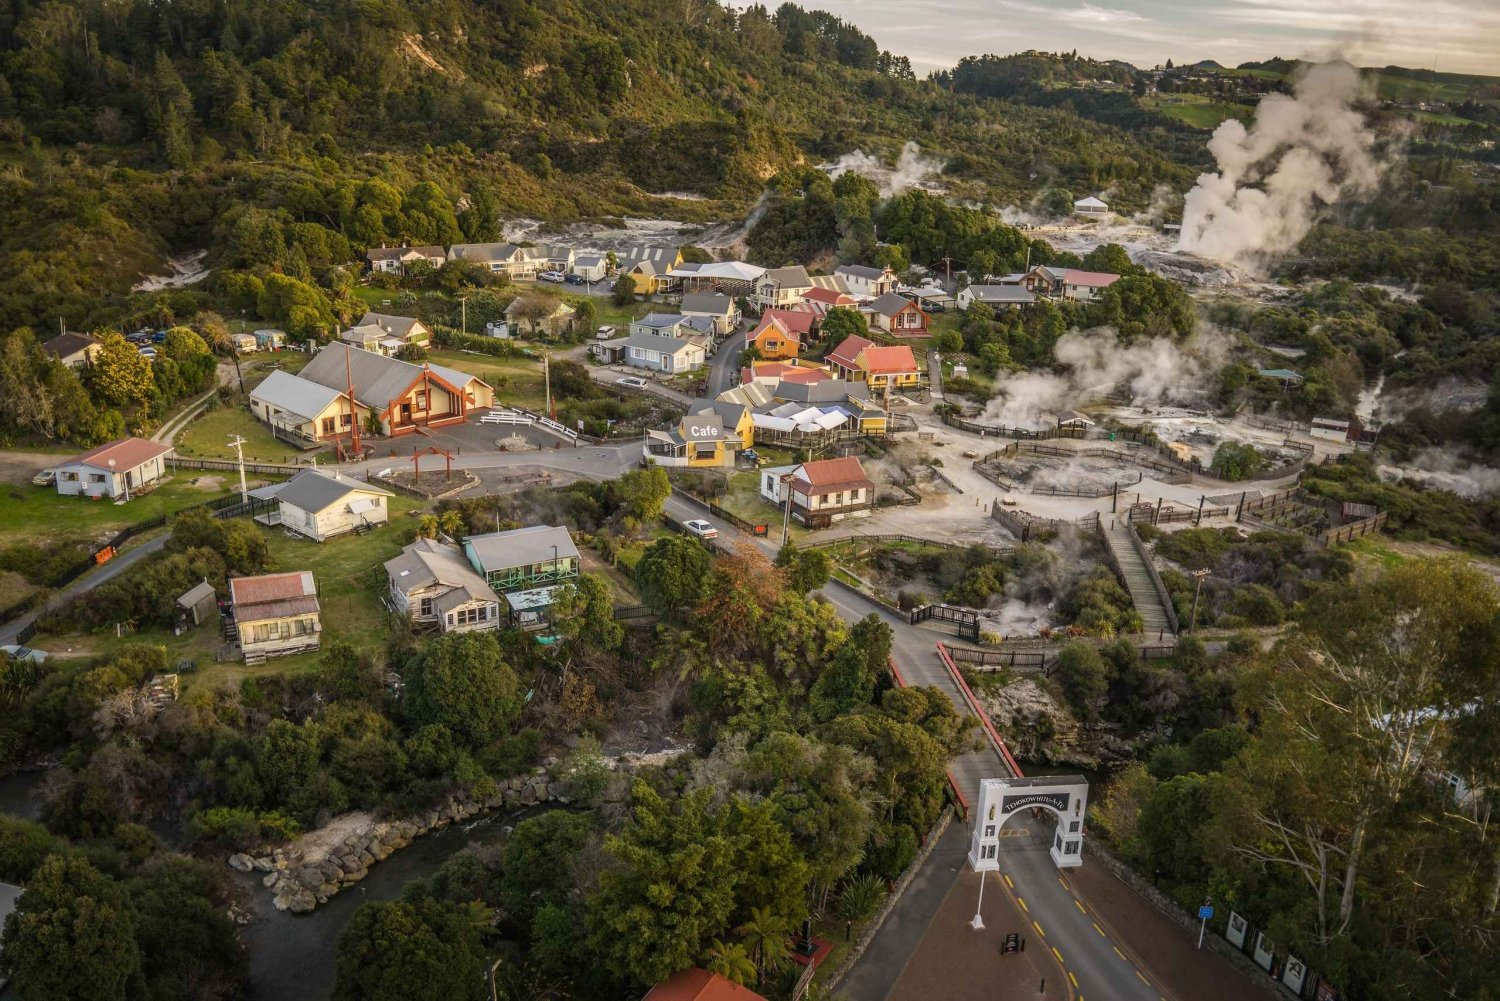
(1001,431)
(964,620)
(231,466)
(1353,530)
(1024,525)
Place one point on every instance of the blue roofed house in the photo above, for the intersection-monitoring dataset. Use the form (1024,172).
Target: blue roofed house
(658,324)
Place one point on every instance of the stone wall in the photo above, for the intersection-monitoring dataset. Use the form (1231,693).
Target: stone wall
(300,884)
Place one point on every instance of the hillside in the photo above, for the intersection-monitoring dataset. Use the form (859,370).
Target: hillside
(137,129)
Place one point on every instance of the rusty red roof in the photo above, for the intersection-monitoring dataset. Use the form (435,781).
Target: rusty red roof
(700,985)
(889,360)
(827,476)
(127,453)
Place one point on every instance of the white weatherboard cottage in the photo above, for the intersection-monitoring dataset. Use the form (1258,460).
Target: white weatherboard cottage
(322,505)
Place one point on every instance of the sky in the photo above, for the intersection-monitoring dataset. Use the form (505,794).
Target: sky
(1460,36)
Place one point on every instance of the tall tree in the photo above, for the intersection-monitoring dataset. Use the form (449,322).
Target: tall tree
(462,681)
(412,950)
(72,937)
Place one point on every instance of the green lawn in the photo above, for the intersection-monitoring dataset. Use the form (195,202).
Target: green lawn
(517,381)
(207,436)
(40,514)
(1199,111)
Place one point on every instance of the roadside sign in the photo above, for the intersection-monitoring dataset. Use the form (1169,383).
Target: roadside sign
(1205,912)
(1012,944)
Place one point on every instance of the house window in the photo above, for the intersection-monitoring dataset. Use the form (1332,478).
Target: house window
(96,477)
(838,499)
(421,399)
(347,420)
(328,425)
(424,607)
(471,616)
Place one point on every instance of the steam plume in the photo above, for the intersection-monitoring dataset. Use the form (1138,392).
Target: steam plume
(1304,152)
(911,171)
(1093,363)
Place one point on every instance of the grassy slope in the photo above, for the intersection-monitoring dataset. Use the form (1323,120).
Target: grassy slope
(40,514)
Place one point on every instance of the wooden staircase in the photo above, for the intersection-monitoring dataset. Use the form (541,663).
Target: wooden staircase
(1137,578)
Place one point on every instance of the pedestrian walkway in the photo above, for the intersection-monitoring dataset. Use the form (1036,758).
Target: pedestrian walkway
(1137,575)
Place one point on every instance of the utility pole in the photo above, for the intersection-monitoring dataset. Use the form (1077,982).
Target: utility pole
(463,305)
(547,380)
(786,507)
(1197,576)
(238,444)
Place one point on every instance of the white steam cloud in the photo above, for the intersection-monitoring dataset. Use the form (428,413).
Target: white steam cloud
(912,169)
(1437,469)
(1093,363)
(1304,152)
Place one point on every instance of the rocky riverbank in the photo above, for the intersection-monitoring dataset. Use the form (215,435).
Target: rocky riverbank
(299,882)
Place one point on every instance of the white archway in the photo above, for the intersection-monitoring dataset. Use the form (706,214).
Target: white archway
(1000,799)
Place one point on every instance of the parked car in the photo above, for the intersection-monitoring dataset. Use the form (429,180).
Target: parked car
(632,381)
(147,351)
(574,280)
(45,478)
(553,276)
(160,337)
(604,333)
(701,529)
(24,653)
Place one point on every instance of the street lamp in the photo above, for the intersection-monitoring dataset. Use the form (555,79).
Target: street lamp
(1197,576)
(786,506)
(978,920)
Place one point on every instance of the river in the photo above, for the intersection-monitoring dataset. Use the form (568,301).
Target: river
(291,955)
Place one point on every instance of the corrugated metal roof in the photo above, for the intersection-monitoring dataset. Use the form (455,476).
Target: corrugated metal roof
(521,547)
(316,491)
(303,397)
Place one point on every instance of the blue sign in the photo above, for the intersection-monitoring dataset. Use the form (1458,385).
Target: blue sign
(1205,912)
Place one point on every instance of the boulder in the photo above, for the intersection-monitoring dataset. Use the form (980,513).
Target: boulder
(528,795)
(298,900)
(240,862)
(271,879)
(263,864)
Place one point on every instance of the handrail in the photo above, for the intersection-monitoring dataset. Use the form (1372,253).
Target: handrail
(1162,594)
(978,711)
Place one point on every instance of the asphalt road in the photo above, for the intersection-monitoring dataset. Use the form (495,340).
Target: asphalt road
(723,367)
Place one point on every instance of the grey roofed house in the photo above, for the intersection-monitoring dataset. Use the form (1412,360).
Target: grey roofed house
(659,321)
(658,342)
(483,253)
(702,324)
(888,304)
(69,344)
(1007,294)
(860,271)
(707,302)
(729,415)
(521,547)
(400,326)
(790,277)
(662,257)
(834,283)
(303,397)
(586,261)
(313,490)
(427,561)
(827,391)
(396,253)
(377,379)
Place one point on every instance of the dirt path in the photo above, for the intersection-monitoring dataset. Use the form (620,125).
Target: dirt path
(169,430)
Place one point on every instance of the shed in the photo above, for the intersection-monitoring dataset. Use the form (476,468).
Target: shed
(199,605)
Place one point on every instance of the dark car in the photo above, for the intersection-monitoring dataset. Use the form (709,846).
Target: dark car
(159,337)
(574,280)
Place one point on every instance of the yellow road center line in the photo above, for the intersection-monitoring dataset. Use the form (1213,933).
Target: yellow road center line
(1044,934)
(1138,973)
(1080,905)
(1072,978)
(1120,954)
(1009,883)
(1099,930)
(1022,902)
(1057,954)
